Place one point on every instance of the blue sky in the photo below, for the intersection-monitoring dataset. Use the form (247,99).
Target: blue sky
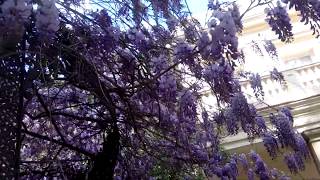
(198,6)
(198,9)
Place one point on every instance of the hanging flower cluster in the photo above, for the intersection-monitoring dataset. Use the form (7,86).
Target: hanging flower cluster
(287,137)
(309,11)
(47,17)
(271,49)
(220,78)
(276,75)
(279,21)
(185,52)
(16,11)
(223,31)
(271,144)
(168,88)
(255,82)
(14,15)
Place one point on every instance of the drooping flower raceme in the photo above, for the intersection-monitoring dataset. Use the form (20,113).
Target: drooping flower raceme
(270,143)
(260,167)
(261,124)
(309,11)
(220,78)
(287,137)
(185,53)
(168,88)
(159,64)
(223,31)
(285,129)
(294,162)
(14,15)
(255,82)
(47,18)
(301,147)
(287,112)
(234,9)
(16,11)
(231,121)
(279,21)
(271,49)
(221,40)
(188,106)
(276,75)
(245,113)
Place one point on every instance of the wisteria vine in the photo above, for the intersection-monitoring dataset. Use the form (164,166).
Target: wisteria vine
(117,93)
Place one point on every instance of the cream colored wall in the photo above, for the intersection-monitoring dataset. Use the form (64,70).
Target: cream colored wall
(310,172)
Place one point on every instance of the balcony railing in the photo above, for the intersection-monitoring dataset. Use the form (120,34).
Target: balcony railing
(300,82)
(301,93)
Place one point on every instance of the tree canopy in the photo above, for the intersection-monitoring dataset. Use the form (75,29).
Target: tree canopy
(113,90)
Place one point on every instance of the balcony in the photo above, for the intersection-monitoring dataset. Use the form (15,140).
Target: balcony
(301,82)
(301,93)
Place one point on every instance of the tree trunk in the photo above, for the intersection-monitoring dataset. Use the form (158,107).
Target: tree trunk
(106,160)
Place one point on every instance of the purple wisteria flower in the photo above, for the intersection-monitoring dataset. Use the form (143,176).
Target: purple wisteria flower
(287,112)
(271,49)
(244,113)
(292,163)
(122,91)
(254,156)
(279,21)
(47,18)
(309,11)
(231,121)
(235,13)
(261,169)
(255,82)
(285,131)
(270,143)
(223,27)
(187,112)
(203,44)
(159,64)
(13,17)
(276,75)
(213,4)
(185,53)
(220,78)
(250,174)
(243,161)
(168,87)
(261,124)
(301,146)
(15,10)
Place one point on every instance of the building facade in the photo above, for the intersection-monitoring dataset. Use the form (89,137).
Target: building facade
(299,61)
